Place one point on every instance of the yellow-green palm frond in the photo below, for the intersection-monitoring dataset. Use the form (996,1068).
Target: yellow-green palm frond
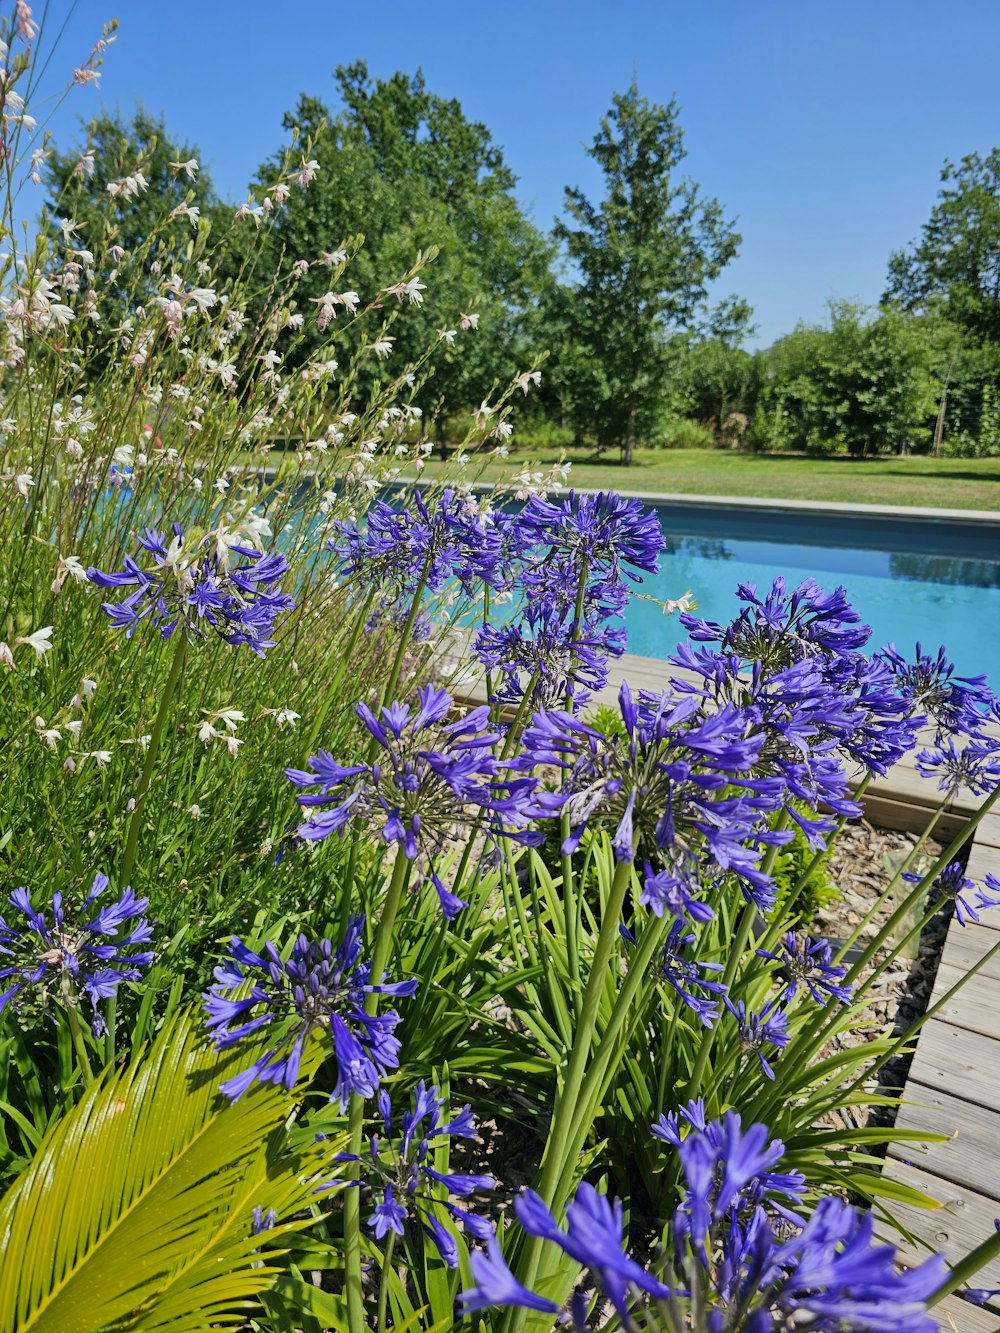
(135,1213)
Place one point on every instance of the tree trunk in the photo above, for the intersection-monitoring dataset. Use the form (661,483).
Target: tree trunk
(629,447)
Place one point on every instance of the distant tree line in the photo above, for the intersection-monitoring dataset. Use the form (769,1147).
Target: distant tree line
(616,294)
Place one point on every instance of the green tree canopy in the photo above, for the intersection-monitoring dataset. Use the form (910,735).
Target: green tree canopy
(645,255)
(407,169)
(956,262)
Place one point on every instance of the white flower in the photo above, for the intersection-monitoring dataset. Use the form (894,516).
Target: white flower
(231,717)
(100,757)
(69,764)
(206,731)
(333,258)
(6,657)
(40,640)
(468,322)
(447,336)
(190,167)
(286,717)
(76,726)
(528,377)
(88,687)
(382,347)
(24,482)
(412,288)
(233,744)
(189,211)
(194,811)
(49,736)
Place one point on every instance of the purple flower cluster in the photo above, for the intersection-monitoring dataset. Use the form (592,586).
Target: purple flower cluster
(572,558)
(432,781)
(76,956)
(740,1258)
(318,987)
(194,584)
(808,964)
(674,788)
(953,885)
(954,704)
(402,551)
(400,1170)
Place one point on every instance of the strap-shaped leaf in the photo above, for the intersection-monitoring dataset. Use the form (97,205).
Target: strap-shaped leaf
(135,1213)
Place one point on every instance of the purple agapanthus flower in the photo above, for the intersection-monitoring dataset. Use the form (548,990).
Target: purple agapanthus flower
(197,584)
(783,627)
(318,987)
(594,1237)
(974,766)
(768,1027)
(432,780)
(686,976)
(809,963)
(739,1259)
(73,956)
(544,653)
(955,704)
(428,543)
(607,533)
(675,780)
(954,885)
(399,1170)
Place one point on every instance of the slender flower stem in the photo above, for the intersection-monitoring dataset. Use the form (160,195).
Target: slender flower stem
(798,888)
(332,690)
(568,886)
(559,1139)
(152,751)
(887,891)
(945,859)
(356,1110)
(968,1267)
(135,819)
(743,932)
(383,1287)
(517,726)
(390,689)
(595,1083)
(76,1031)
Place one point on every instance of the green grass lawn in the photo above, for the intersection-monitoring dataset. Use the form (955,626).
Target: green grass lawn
(946,483)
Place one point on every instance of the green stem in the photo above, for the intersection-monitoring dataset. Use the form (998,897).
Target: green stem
(783,918)
(968,1267)
(886,893)
(945,859)
(514,734)
(356,1110)
(594,1086)
(79,1045)
(383,1288)
(388,694)
(558,1141)
(152,751)
(345,662)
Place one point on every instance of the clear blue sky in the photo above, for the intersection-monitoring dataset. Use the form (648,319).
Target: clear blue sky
(822,127)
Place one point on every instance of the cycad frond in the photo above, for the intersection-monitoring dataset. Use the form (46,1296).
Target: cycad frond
(135,1213)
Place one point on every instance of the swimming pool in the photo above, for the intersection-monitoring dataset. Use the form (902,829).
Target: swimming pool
(932,580)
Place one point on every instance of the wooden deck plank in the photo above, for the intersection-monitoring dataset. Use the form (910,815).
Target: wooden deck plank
(957,1316)
(974,1008)
(960,1160)
(964,1221)
(964,947)
(966,1063)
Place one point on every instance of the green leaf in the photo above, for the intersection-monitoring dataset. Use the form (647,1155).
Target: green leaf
(135,1213)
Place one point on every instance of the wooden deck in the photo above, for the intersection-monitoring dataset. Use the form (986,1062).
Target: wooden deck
(954,1081)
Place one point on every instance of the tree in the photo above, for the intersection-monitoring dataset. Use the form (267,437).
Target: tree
(956,262)
(645,255)
(116,149)
(866,385)
(407,169)
(718,374)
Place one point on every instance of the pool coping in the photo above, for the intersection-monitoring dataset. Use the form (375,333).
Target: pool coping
(696,499)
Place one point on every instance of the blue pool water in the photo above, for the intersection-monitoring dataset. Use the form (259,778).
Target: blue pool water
(911,579)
